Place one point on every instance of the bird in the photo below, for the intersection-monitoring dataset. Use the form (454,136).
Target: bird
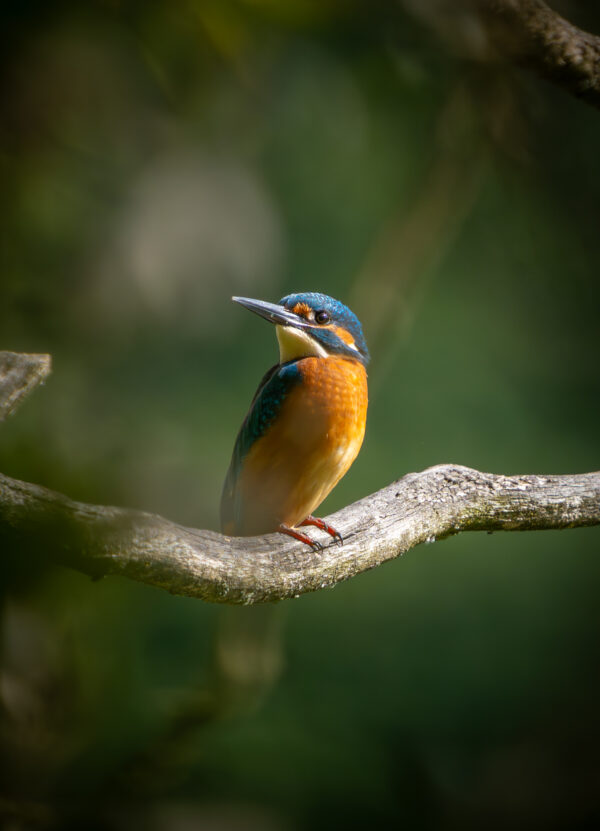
(306,422)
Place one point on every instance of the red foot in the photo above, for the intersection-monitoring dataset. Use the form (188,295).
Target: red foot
(320,523)
(298,535)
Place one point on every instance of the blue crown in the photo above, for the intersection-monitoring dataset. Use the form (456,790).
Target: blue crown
(339,315)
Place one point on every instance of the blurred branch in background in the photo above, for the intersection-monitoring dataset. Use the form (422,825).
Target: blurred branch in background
(392,284)
(526,32)
(538,38)
(19,375)
(420,507)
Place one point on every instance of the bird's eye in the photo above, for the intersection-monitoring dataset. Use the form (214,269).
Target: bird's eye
(322,317)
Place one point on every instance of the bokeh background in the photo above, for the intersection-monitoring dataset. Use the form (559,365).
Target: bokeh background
(158,157)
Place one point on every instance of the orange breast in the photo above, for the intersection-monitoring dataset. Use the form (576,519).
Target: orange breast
(308,448)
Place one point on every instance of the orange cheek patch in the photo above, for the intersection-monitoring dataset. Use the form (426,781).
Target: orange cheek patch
(344,335)
(302,309)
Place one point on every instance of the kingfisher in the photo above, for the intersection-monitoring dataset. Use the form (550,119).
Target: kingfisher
(306,422)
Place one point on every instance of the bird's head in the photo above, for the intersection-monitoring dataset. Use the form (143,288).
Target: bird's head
(312,324)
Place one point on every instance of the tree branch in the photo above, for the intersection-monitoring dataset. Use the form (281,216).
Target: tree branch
(532,34)
(420,507)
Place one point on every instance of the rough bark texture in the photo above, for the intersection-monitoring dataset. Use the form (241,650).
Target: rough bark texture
(538,37)
(420,507)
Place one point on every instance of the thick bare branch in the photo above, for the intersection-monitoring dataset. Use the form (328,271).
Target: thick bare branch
(19,375)
(420,507)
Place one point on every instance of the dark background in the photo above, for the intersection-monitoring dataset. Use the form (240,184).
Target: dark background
(158,157)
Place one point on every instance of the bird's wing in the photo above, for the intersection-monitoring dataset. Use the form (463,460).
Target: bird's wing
(267,401)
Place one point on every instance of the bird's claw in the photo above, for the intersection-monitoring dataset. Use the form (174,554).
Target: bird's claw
(324,526)
(318,523)
(298,535)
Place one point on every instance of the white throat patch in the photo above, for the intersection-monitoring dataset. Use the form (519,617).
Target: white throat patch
(297,343)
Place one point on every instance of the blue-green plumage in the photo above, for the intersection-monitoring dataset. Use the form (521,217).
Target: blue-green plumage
(266,404)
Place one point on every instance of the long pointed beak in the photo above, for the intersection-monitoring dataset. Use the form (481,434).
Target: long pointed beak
(272,312)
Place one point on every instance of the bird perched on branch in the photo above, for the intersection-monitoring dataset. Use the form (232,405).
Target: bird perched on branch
(306,422)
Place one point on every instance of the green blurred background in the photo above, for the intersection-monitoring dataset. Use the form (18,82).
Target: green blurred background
(158,157)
